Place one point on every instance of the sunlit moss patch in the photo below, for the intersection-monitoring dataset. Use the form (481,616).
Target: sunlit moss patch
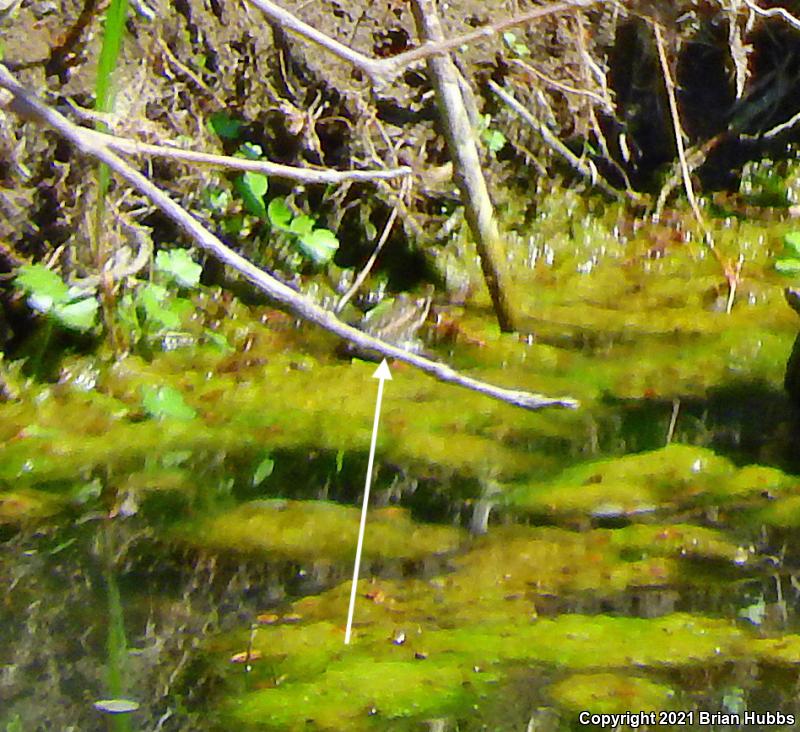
(676,475)
(319,530)
(397,669)
(609,693)
(358,694)
(18,507)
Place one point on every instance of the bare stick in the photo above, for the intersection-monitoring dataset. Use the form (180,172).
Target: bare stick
(467,171)
(732,273)
(780,12)
(370,263)
(28,107)
(307,175)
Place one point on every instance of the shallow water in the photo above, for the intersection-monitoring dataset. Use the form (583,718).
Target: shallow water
(639,552)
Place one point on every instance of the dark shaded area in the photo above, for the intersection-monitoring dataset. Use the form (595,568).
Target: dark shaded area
(746,421)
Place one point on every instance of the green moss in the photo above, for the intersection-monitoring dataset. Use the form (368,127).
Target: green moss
(612,694)
(435,672)
(357,694)
(676,475)
(18,507)
(318,531)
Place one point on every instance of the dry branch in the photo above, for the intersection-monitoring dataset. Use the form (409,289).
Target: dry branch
(277,170)
(586,169)
(467,171)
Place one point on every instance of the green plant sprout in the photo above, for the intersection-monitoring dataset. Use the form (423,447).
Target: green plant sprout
(318,245)
(152,311)
(518,47)
(69,307)
(492,138)
(788,262)
(166,402)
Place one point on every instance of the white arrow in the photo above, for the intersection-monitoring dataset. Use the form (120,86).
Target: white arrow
(382,374)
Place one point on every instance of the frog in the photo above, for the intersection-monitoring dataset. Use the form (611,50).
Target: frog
(396,320)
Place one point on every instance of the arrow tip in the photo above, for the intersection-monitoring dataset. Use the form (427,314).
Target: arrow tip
(382,372)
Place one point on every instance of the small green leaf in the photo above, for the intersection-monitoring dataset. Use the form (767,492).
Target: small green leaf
(339,461)
(14,724)
(79,315)
(165,402)
(252,187)
(788,266)
(791,243)
(83,493)
(251,151)
(233,225)
(153,299)
(127,315)
(217,199)
(43,283)
(263,471)
(179,265)
(279,214)
(320,245)
(495,140)
(225,127)
(302,225)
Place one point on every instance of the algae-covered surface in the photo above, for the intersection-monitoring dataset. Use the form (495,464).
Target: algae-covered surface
(518,568)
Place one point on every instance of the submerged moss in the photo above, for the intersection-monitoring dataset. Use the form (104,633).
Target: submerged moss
(17,507)
(612,694)
(318,531)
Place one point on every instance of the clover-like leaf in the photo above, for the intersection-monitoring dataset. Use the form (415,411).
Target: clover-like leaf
(43,284)
(302,225)
(279,214)
(252,187)
(79,315)
(153,299)
(791,243)
(179,266)
(224,126)
(320,245)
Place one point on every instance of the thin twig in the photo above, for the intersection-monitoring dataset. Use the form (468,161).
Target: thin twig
(306,175)
(673,420)
(770,12)
(731,273)
(28,107)
(533,71)
(370,263)
(589,172)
